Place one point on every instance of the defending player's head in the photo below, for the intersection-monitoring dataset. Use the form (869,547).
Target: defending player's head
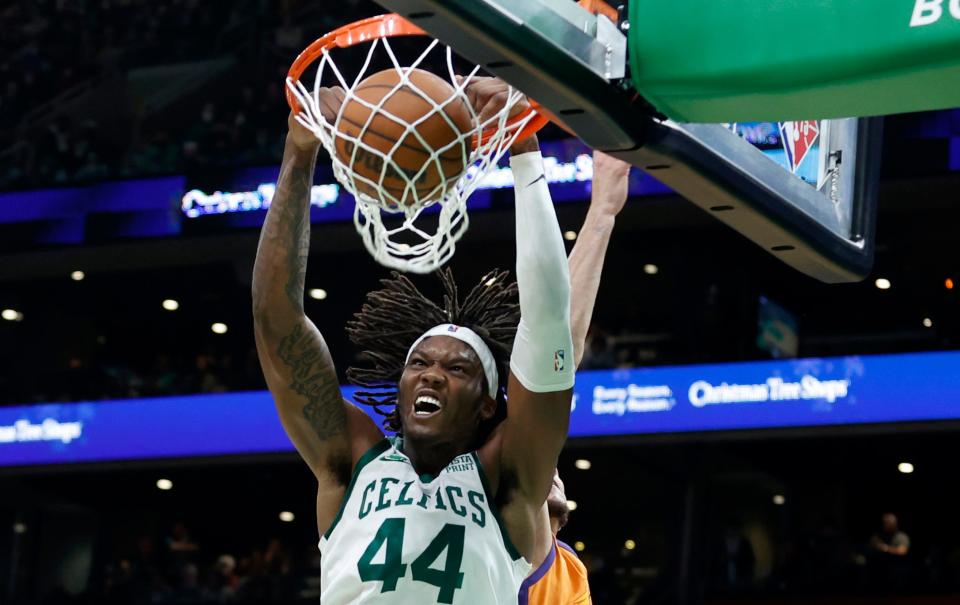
(438,373)
(557,504)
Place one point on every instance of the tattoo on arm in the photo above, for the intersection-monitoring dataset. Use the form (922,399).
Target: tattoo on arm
(313,377)
(298,188)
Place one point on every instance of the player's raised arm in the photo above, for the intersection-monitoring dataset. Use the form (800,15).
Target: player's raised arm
(541,364)
(328,432)
(609,194)
(610,185)
(524,451)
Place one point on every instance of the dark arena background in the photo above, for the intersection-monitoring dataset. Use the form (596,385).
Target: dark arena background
(740,432)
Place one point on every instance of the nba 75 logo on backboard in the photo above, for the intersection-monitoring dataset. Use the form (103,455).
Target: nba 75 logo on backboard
(798,139)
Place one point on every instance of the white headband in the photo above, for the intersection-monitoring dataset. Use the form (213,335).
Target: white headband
(475,342)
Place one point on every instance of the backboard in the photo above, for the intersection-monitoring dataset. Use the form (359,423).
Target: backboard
(805,191)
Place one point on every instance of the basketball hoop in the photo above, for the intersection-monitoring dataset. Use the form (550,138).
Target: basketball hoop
(407,246)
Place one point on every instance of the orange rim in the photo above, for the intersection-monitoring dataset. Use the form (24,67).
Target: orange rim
(393,25)
(365,30)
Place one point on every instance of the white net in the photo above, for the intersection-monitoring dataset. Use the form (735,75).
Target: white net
(397,224)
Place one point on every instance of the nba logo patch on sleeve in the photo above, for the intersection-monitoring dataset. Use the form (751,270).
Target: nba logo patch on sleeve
(558,361)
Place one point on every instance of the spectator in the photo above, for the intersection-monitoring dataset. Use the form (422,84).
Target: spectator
(890,540)
(736,559)
(888,566)
(181,549)
(188,591)
(225,581)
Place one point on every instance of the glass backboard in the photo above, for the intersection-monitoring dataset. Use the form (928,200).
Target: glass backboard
(812,204)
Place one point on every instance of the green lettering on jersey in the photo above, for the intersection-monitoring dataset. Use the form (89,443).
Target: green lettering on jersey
(391,570)
(440,505)
(389,539)
(403,500)
(424,498)
(477,499)
(454,492)
(450,578)
(381,503)
(364,505)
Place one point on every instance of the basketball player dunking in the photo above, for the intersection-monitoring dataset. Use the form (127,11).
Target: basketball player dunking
(559,578)
(445,512)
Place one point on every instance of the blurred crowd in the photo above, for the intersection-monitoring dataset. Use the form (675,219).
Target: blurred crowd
(164,376)
(56,53)
(829,559)
(177,569)
(215,369)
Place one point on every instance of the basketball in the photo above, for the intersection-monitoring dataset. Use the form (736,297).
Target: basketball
(385,134)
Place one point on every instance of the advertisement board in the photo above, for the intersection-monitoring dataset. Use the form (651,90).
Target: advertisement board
(800,393)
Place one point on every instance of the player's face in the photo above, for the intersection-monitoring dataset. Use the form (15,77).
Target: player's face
(443,392)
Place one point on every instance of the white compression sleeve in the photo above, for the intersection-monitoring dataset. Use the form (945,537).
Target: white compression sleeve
(542,358)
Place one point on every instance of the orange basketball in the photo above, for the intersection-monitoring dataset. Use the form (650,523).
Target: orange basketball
(405,106)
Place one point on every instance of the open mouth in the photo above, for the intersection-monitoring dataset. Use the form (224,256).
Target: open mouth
(425,405)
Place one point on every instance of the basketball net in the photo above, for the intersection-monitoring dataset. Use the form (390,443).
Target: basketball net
(390,224)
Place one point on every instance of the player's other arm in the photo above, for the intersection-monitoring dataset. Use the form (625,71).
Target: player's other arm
(610,185)
(329,433)
(524,450)
(610,181)
(541,364)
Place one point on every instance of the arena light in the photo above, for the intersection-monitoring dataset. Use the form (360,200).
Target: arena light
(779,500)
(219,328)
(583,464)
(569,235)
(651,269)
(19,528)
(170,304)
(948,283)
(318,294)
(629,544)
(882,283)
(11,315)
(77,275)
(286,516)
(927,322)
(164,484)
(579,546)
(572,505)
(905,467)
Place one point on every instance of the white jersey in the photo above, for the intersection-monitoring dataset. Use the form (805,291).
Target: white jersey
(405,539)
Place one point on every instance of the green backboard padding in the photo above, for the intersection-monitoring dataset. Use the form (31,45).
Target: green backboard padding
(741,60)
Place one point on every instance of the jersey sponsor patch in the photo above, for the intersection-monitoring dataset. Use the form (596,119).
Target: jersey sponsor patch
(460,464)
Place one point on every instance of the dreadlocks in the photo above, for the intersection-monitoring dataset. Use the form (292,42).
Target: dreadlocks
(393,317)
